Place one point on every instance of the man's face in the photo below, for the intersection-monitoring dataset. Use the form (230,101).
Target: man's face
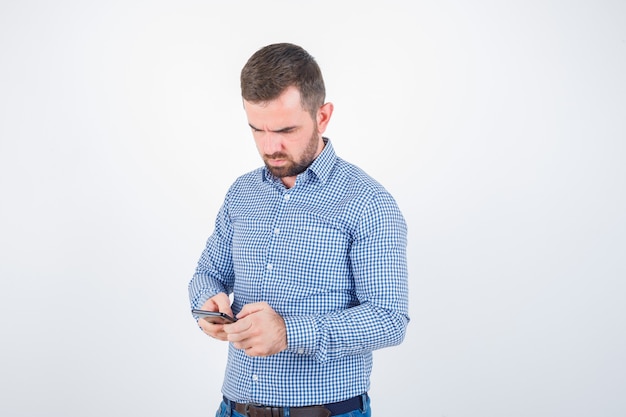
(286,136)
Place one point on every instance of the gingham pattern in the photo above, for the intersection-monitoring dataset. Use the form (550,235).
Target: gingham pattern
(329,255)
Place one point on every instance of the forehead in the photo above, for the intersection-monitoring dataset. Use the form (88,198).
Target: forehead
(287,106)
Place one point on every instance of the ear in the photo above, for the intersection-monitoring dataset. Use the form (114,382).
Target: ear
(323,116)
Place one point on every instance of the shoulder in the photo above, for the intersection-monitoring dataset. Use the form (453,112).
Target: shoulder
(359,196)
(249,180)
(373,200)
(354,178)
(376,212)
(245,188)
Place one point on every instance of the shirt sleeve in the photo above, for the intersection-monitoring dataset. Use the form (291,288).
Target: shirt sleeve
(379,267)
(214,272)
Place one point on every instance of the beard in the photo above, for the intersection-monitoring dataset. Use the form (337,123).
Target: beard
(292,167)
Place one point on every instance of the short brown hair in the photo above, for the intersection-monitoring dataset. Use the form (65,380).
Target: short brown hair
(274,68)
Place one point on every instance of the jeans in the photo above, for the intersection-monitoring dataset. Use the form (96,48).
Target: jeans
(225,411)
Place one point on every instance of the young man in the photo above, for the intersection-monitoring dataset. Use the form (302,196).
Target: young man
(313,251)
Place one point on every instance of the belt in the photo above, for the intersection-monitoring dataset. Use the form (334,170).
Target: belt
(327,410)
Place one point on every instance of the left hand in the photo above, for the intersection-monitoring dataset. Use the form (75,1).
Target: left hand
(219,302)
(260,330)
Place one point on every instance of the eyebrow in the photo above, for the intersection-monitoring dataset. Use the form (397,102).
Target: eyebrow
(282,130)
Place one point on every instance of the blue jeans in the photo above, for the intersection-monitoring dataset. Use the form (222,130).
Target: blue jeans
(225,411)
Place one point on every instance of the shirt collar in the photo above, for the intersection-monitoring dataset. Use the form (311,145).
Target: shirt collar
(319,168)
(324,162)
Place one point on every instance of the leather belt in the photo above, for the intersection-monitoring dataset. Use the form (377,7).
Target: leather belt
(342,407)
(249,410)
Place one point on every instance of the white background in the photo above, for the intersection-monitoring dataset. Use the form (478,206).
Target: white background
(500,128)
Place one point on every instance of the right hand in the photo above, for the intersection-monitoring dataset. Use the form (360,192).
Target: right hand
(219,302)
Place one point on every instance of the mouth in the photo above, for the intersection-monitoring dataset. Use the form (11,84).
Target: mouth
(276,160)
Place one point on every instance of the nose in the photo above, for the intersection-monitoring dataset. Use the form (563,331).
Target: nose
(270,143)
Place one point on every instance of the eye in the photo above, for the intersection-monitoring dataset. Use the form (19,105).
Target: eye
(286,130)
(254,129)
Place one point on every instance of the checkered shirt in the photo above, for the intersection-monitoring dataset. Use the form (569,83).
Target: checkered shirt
(329,255)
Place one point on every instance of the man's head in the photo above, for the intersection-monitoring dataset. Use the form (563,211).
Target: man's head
(274,68)
(283,96)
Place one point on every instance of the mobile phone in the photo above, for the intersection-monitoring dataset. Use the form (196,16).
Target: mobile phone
(214,317)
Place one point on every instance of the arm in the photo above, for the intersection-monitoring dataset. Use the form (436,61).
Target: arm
(378,261)
(214,272)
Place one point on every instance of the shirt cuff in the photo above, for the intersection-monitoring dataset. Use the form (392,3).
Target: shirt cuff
(301,335)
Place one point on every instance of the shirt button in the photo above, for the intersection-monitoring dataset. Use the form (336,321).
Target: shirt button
(269,266)
(286,197)
(276,231)
(255,378)
(300,351)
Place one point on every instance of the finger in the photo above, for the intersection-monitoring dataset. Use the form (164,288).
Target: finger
(238,327)
(246,347)
(223,303)
(252,308)
(213,330)
(239,345)
(219,302)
